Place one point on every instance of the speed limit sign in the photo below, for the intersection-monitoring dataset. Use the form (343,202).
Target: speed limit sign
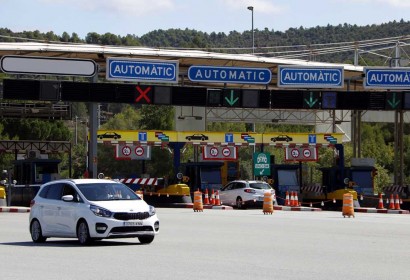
(295,153)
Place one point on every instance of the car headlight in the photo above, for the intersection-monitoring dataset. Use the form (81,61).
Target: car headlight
(101,212)
(152,210)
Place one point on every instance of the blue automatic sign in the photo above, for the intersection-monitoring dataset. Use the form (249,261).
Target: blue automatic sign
(123,69)
(310,77)
(387,78)
(235,75)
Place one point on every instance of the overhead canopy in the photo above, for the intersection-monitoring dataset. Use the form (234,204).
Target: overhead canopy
(352,74)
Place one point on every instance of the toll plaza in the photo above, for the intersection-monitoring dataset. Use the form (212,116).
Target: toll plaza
(254,85)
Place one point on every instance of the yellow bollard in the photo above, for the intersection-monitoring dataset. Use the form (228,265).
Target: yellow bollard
(267,203)
(348,208)
(198,206)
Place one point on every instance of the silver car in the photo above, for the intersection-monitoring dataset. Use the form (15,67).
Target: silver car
(243,193)
(90,209)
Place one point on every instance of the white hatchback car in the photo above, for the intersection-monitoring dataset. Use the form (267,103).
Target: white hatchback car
(242,193)
(91,209)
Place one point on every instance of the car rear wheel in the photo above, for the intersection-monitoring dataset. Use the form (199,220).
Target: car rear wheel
(83,234)
(36,232)
(239,202)
(146,239)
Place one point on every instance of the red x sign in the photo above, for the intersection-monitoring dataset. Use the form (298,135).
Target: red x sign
(143,94)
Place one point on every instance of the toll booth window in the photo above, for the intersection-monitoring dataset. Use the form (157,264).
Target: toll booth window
(287,178)
(212,176)
(43,171)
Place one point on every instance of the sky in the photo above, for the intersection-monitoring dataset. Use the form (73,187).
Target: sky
(138,17)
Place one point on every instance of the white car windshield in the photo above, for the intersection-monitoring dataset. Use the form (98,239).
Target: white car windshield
(107,191)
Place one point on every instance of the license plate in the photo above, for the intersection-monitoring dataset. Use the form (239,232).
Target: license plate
(260,198)
(132,224)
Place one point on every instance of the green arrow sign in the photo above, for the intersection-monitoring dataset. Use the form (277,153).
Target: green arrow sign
(232,100)
(311,101)
(393,101)
(261,164)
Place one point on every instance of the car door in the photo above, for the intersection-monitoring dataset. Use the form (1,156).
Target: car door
(49,206)
(67,212)
(238,191)
(224,194)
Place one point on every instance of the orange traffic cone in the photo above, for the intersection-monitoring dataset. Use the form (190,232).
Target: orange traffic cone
(217,200)
(380,206)
(391,204)
(292,199)
(206,199)
(287,202)
(397,202)
(296,199)
(212,197)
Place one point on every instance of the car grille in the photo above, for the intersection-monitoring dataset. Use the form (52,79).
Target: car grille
(131,216)
(117,230)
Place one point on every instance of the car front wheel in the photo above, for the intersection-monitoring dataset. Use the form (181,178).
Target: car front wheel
(36,233)
(83,234)
(146,239)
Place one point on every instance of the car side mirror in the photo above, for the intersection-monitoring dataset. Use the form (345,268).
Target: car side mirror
(68,198)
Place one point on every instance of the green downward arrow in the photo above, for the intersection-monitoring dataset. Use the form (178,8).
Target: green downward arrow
(311,102)
(231,100)
(393,102)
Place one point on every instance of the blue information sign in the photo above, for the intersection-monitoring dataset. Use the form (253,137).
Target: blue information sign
(229,137)
(142,136)
(234,75)
(310,77)
(124,69)
(387,78)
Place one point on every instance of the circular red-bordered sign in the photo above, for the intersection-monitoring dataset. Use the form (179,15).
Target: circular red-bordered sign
(126,151)
(226,152)
(213,151)
(307,153)
(294,153)
(139,151)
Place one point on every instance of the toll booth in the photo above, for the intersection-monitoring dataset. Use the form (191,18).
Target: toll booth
(359,178)
(203,175)
(30,174)
(287,178)
(230,171)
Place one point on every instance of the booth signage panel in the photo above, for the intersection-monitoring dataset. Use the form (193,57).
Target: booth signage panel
(386,78)
(142,70)
(310,77)
(35,65)
(155,137)
(234,75)
(132,152)
(219,153)
(301,154)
